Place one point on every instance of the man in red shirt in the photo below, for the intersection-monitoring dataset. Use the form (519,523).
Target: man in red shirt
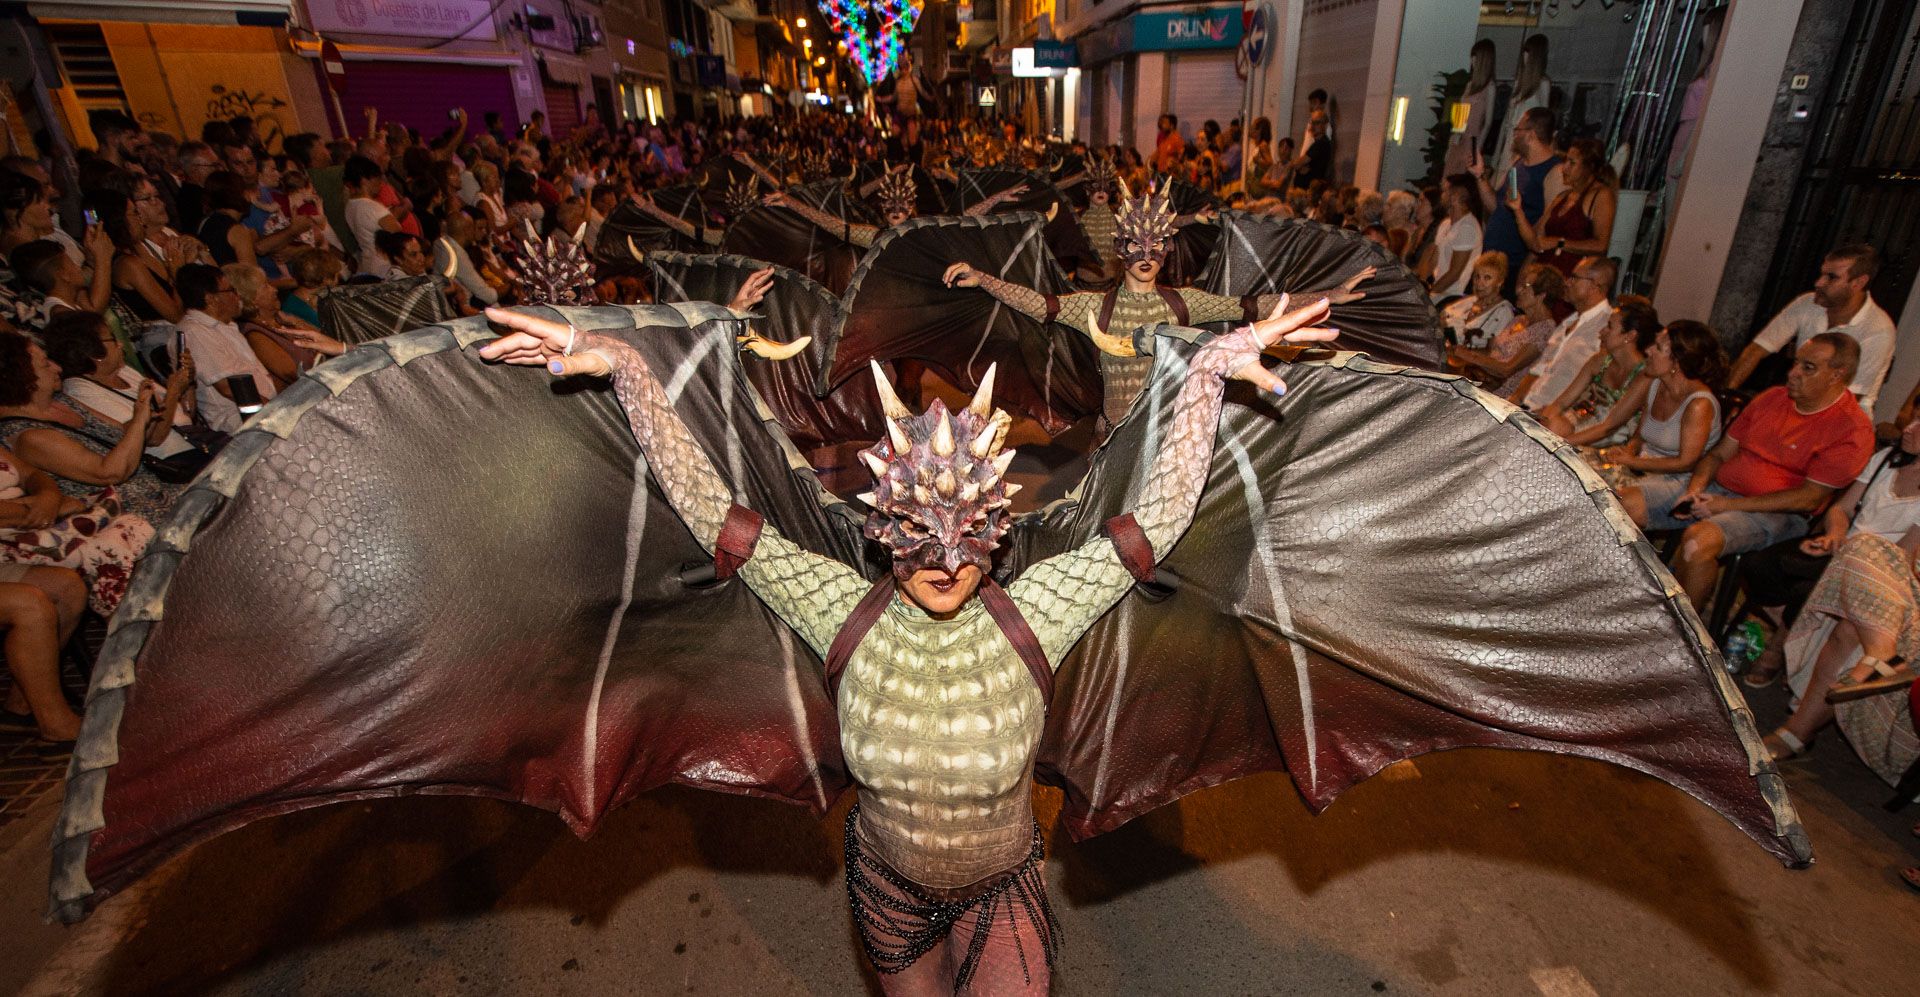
(1780,461)
(1169,146)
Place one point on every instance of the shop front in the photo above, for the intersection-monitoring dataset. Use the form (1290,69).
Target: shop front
(178,65)
(416,63)
(1154,62)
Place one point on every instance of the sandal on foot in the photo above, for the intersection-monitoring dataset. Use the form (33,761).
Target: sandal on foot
(1760,678)
(1882,677)
(1783,745)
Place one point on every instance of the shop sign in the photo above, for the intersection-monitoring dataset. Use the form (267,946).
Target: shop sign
(1157,31)
(472,19)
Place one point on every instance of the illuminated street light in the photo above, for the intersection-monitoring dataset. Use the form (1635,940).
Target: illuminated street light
(799,22)
(808,43)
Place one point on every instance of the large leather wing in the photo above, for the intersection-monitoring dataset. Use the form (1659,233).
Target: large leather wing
(1194,244)
(1385,563)
(1395,322)
(414,572)
(782,237)
(898,308)
(627,228)
(795,307)
(1065,238)
(362,313)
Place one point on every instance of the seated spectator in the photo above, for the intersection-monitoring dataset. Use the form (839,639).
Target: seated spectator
(1503,366)
(1376,234)
(45,267)
(197,163)
(40,607)
(405,254)
(1609,375)
(1576,339)
(1780,461)
(366,216)
(1482,314)
(314,270)
(94,467)
(224,229)
(1890,431)
(1839,302)
(489,200)
(1679,413)
(1398,217)
(141,279)
(26,210)
(280,341)
(95,377)
(1864,614)
(219,349)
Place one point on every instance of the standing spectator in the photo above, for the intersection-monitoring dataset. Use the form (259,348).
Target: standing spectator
(1839,302)
(1579,222)
(1315,161)
(380,153)
(1577,339)
(1168,146)
(1536,167)
(1782,459)
(1457,240)
(366,216)
(1258,162)
(197,163)
(219,349)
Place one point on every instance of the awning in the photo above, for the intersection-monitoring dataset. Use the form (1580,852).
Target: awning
(252,13)
(561,68)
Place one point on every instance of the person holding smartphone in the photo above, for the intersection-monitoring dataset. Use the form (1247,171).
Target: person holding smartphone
(1533,174)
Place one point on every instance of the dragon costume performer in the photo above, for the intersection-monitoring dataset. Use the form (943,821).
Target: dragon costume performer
(1381,562)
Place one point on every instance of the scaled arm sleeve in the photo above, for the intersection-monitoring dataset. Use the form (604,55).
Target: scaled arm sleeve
(812,593)
(859,235)
(1018,297)
(1063,595)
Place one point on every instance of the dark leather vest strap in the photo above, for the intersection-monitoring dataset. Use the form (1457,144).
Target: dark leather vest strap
(1174,302)
(1000,606)
(1053,306)
(865,614)
(1250,308)
(739,535)
(1131,543)
(1106,309)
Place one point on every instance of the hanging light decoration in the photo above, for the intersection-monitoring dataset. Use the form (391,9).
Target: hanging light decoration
(874,32)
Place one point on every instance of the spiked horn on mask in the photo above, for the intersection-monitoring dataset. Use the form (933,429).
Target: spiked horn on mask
(940,492)
(741,197)
(550,271)
(1144,227)
(896,192)
(1101,176)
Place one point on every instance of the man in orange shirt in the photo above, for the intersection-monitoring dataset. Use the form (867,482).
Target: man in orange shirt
(1781,460)
(1169,146)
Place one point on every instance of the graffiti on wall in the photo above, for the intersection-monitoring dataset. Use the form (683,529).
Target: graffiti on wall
(270,113)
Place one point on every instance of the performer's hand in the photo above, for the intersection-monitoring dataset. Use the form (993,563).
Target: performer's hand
(1346,291)
(961,275)
(753,291)
(1280,326)
(539,342)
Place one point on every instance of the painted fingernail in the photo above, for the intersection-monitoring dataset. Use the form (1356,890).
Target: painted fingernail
(1279,389)
(556,367)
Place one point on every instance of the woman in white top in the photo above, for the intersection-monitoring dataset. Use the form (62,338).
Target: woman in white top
(1457,240)
(1475,319)
(1863,617)
(94,373)
(1679,415)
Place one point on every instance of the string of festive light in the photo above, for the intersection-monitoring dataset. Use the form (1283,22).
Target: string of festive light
(875,32)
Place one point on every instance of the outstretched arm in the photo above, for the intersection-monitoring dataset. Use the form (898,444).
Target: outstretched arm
(813,594)
(994,200)
(859,235)
(680,225)
(1018,297)
(1062,596)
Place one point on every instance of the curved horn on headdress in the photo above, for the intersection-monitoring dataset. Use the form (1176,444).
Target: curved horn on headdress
(635,252)
(889,402)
